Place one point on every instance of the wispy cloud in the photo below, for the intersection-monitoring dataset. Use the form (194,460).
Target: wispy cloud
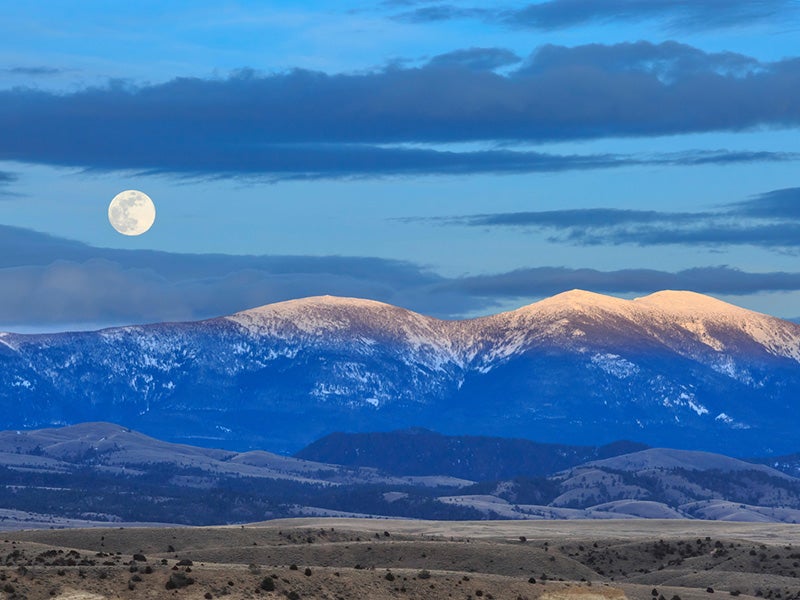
(685,15)
(673,14)
(34,71)
(49,281)
(777,204)
(395,120)
(6,179)
(568,218)
(444,12)
(769,220)
(479,59)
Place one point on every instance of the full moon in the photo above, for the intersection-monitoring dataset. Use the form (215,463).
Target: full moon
(131,212)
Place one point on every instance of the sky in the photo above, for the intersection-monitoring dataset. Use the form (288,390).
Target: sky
(456,158)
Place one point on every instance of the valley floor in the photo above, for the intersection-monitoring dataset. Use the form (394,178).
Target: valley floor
(376,559)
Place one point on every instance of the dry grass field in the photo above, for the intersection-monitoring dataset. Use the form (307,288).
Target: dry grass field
(381,559)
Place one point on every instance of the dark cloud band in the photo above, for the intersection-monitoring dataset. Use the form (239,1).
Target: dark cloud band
(551,280)
(309,124)
(769,220)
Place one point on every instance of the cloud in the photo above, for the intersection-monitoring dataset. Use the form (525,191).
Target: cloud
(479,59)
(444,12)
(38,71)
(106,292)
(7,178)
(543,281)
(687,15)
(721,157)
(778,236)
(391,121)
(277,163)
(669,60)
(49,281)
(769,220)
(673,14)
(565,219)
(21,247)
(777,204)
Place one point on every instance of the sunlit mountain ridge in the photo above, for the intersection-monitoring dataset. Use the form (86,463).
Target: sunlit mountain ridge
(674,368)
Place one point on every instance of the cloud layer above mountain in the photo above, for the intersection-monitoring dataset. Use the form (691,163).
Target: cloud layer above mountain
(404,120)
(51,281)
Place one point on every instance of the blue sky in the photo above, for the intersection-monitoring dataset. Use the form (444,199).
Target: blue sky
(455,158)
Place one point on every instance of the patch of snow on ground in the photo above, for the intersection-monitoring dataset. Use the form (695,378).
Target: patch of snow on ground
(7,342)
(727,366)
(615,365)
(698,328)
(20,382)
(698,408)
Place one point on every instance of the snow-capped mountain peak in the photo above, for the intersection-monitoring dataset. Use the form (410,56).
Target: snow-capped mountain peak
(327,314)
(682,301)
(577,364)
(581,299)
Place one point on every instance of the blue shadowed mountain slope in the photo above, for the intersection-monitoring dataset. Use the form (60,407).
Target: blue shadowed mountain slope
(673,369)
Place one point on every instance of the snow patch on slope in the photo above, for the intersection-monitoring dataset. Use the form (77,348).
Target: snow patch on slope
(673,317)
(6,342)
(368,322)
(615,365)
(698,313)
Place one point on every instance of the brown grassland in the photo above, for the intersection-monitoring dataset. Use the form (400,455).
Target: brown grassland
(381,559)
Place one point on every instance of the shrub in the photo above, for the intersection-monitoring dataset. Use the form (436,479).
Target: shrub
(267,584)
(178,580)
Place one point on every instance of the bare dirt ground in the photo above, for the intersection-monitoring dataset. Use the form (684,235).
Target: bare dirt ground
(382,559)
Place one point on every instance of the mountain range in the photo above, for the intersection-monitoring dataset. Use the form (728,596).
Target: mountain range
(674,369)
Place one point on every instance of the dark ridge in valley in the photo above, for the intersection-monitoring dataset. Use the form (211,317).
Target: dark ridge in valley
(420,451)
